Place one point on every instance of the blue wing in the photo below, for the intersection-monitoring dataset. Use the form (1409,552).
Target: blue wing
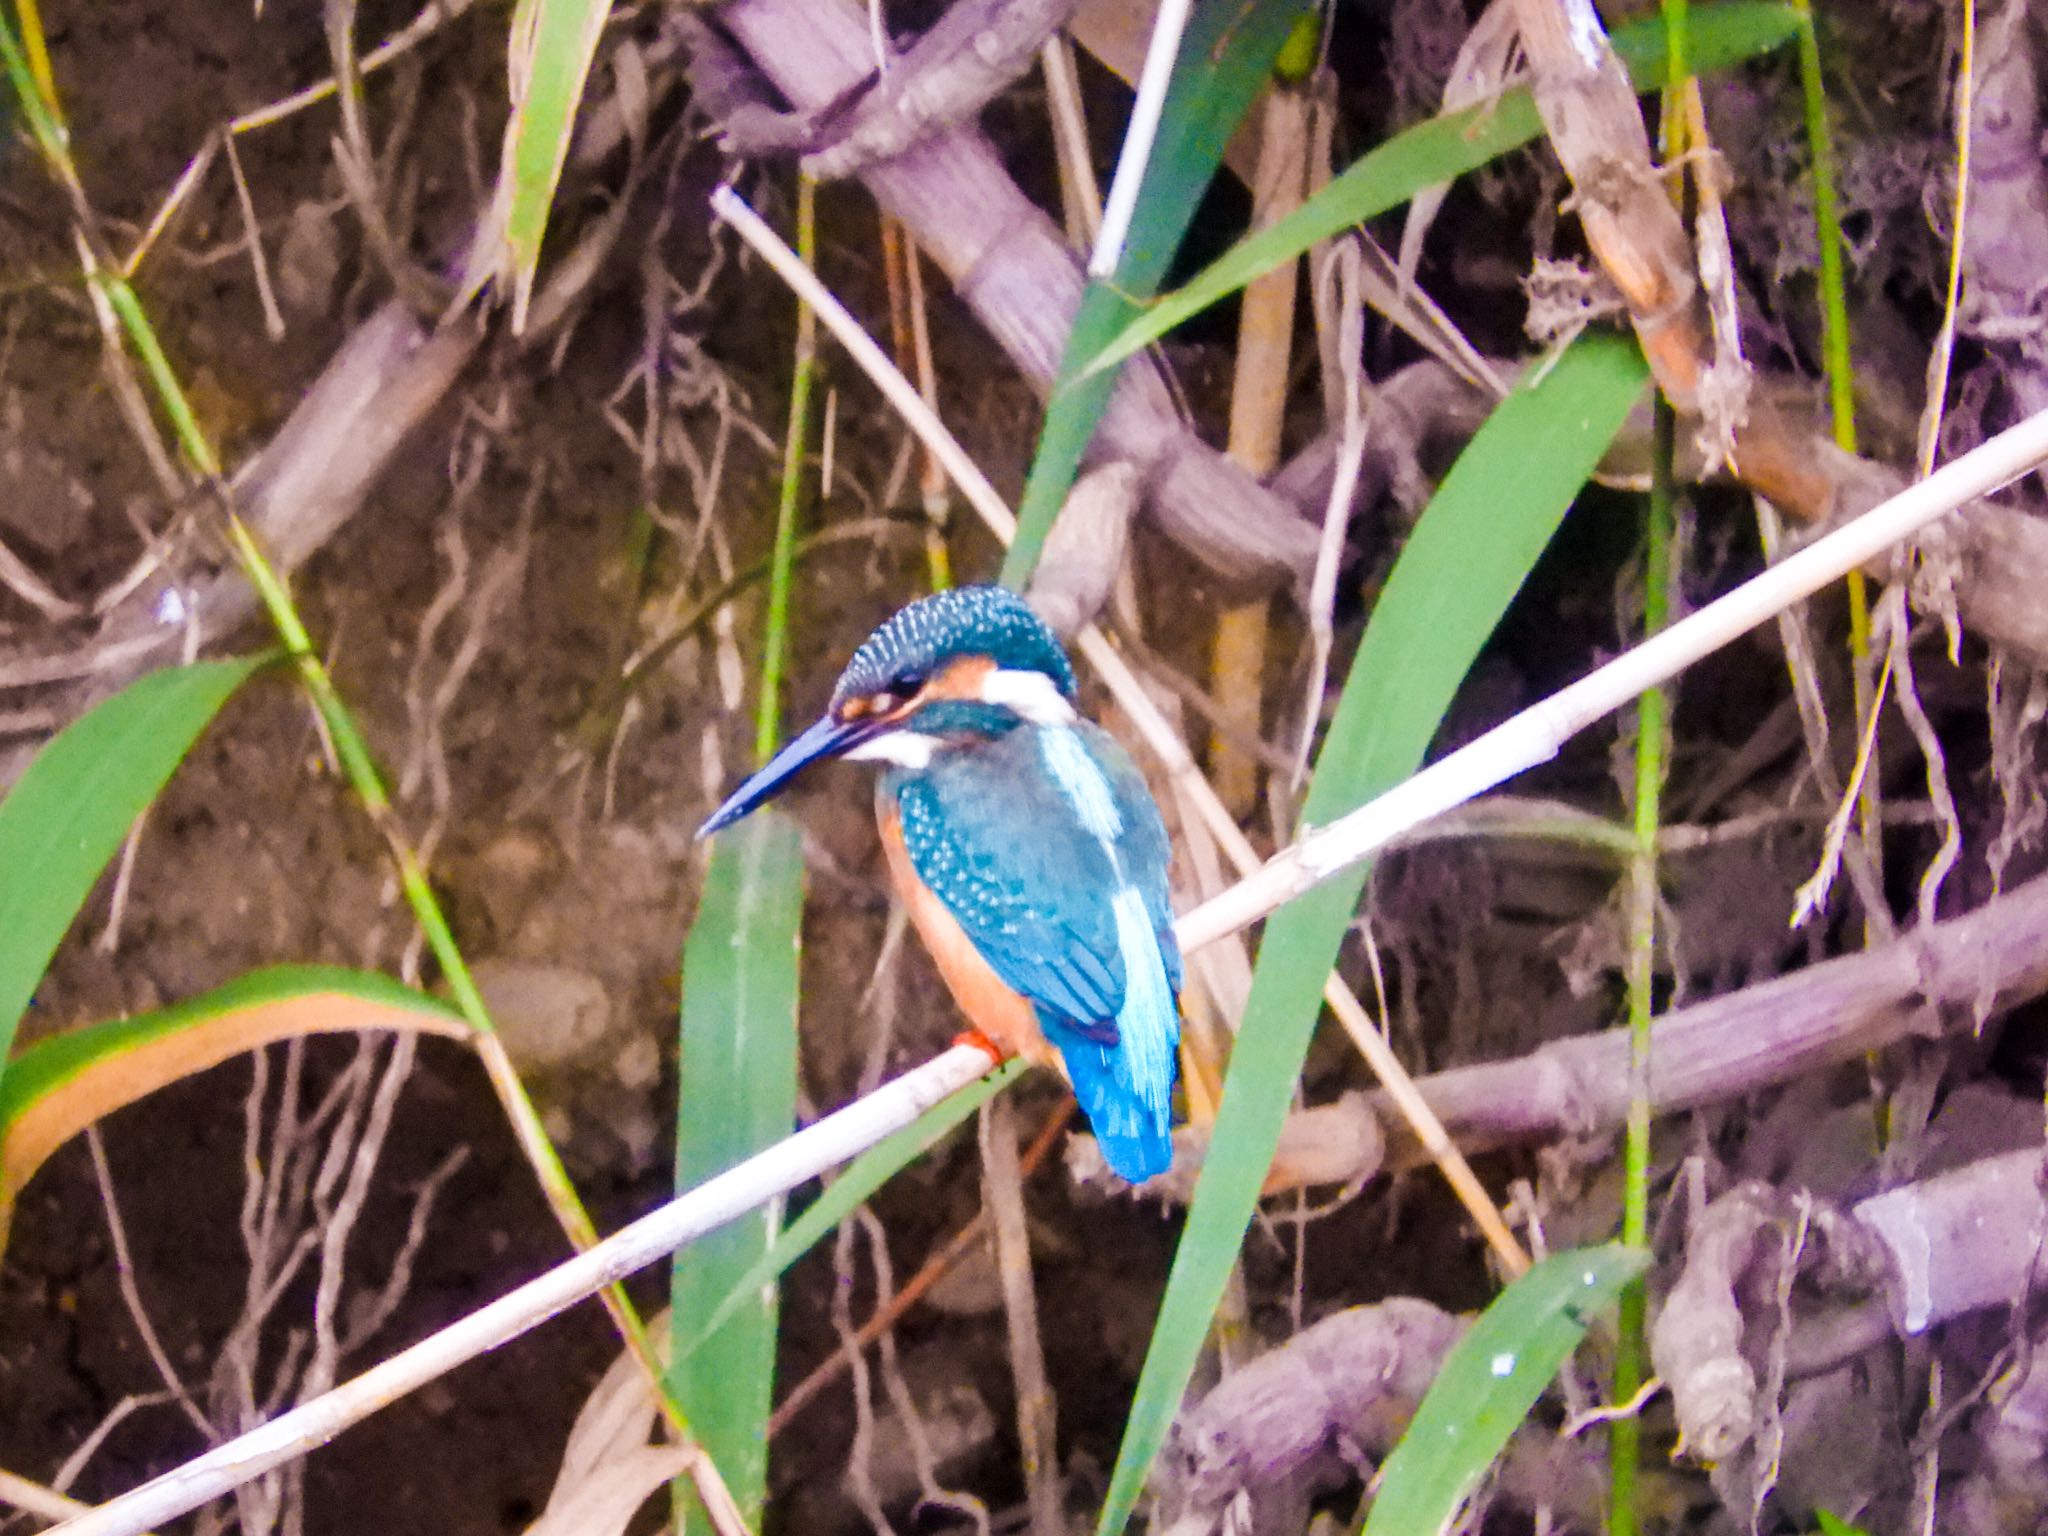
(1047,848)
(1144,851)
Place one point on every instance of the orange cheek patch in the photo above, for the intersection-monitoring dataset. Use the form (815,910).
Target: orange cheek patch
(962,679)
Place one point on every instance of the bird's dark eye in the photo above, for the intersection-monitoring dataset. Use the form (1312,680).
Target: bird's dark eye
(901,690)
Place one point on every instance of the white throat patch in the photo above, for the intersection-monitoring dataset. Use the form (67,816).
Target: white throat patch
(906,749)
(1032,695)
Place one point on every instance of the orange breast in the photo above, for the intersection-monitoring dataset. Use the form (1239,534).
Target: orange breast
(991,1006)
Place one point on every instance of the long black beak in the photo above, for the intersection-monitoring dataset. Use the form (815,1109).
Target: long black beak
(827,739)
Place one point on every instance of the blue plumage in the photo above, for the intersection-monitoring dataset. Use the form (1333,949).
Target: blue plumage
(961,621)
(1027,833)
(996,834)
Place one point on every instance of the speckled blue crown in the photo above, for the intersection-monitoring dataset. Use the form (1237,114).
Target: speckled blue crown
(963,621)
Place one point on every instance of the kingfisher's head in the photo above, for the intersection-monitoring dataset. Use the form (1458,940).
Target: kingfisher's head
(957,666)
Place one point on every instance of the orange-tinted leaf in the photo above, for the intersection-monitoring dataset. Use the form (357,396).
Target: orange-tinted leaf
(59,1086)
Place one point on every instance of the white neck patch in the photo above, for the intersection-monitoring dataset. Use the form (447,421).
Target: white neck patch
(1032,695)
(1084,786)
(906,749)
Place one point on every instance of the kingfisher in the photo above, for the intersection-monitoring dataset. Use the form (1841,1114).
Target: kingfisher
(1025,845)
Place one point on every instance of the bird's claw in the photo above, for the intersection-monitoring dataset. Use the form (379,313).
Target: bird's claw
(981,1042)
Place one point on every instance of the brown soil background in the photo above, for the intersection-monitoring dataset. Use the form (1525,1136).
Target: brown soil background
(256,856)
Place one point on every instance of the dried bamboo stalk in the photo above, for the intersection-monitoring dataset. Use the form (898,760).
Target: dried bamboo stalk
(1258,411)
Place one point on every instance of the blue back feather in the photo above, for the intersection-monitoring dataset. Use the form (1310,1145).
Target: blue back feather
(1037,878)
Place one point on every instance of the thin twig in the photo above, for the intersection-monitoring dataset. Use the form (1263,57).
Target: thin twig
(909,1416)
(36,1499)
(75,1464)
(1136,155)
(1080,197)
(1037,1435)
(1346,309)
(941,1263)
(252,229)
(338,1224)
(25,584)
(859,1476)
(1940,358)
(124,1270)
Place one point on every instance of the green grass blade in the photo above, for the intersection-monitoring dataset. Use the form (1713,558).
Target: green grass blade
(1469,554)
(553,42)
(68,812)
(46,1066)
(60,1085)
(1440,150)
(1835,1525)
(737,1095)
(1653,755)
(856,1183)
(1226,57)
(741,984)
(782,563)
(1827,218)
(1489,1383)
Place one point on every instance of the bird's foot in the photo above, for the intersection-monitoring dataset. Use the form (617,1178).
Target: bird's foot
(974,1037)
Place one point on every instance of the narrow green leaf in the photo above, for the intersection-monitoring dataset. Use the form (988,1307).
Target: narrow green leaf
(782,564)
(68,812)
(1827,218)
(62,1084)
(1226,57)
(1469,553)
(1440,150)
(855,1184)
(1835,1525)
(553,42)
(1226,60)
(737,1095)
(1489,1383)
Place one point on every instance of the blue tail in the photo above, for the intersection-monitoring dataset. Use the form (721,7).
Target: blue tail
(1133,1128)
